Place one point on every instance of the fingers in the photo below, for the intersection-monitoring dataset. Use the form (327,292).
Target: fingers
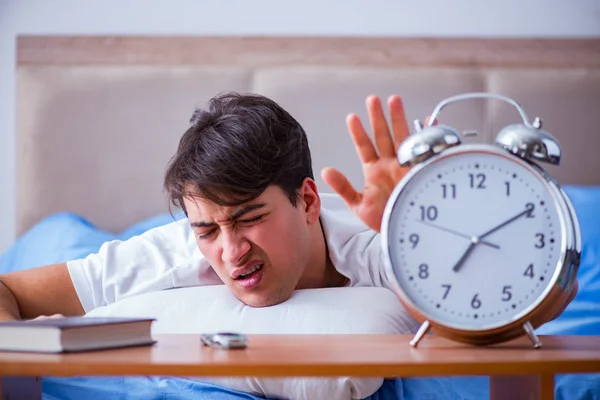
(364,146)
(574,291)
(53,316)
(398,118)
(386,144)
(571,297)
(427,121)
(380,128)
(341,185)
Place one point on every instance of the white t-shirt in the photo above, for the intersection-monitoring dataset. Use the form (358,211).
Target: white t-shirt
(168,257)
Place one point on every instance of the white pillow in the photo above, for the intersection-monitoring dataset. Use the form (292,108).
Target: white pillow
(349,310)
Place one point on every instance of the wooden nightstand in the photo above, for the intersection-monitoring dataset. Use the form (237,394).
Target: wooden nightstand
(517,370)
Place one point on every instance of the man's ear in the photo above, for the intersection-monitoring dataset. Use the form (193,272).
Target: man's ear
(310,200)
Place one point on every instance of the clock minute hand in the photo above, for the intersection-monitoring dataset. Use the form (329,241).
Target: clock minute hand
(508,221)
(495,246)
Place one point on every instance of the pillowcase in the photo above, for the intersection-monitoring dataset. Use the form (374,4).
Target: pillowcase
(356,310)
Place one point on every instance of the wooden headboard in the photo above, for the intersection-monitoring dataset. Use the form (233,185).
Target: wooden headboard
(99,117)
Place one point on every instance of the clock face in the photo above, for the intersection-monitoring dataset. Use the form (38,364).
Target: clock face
(474,239)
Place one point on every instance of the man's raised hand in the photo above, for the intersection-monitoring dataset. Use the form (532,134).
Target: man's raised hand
(381,170)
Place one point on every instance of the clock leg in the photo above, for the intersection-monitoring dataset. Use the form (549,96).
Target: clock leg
(420,333)
(531,334)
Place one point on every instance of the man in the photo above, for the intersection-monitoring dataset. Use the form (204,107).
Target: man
(255,220)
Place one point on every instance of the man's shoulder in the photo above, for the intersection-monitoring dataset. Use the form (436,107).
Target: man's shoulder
(354,249)
(175,236)
(178,225)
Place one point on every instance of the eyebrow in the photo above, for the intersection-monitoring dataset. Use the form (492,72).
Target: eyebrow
(232,217)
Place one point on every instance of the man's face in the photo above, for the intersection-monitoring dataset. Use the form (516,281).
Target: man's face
(259,249)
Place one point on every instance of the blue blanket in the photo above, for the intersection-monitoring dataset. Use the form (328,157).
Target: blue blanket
(151,388)
(65,236)
(568,387)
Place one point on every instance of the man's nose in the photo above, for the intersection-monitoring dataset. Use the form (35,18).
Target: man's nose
(235,247)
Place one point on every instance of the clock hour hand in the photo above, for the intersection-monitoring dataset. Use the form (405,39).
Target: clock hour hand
(495,246)
(464,257)
(508,221)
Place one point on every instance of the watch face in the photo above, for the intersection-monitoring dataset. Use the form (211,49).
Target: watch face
(474,238)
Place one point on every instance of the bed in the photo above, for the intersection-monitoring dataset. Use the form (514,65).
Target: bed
(99,118)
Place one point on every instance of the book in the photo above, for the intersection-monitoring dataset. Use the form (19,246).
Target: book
(74,334)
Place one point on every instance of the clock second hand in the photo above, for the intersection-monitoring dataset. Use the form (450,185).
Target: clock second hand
(495,246)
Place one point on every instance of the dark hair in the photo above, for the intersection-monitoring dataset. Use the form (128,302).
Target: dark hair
(235,149)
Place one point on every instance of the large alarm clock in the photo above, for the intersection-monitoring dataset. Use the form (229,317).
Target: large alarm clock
(483,245)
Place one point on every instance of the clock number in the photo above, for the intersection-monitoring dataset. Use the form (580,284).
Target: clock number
(475,303)
(449,190)
(423,271)
(529,271)
(447,287)
(507,183)
(530,207)
(414,240)
(430,213)
(507,295)
(477,181)
(541,243)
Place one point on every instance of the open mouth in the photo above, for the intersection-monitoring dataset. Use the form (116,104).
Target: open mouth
(250,272)
(251,278)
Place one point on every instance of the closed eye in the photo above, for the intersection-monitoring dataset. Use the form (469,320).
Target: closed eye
(247,221)
(206,235)
(253,219)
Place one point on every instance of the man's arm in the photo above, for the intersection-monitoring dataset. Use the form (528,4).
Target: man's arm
(39,291)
